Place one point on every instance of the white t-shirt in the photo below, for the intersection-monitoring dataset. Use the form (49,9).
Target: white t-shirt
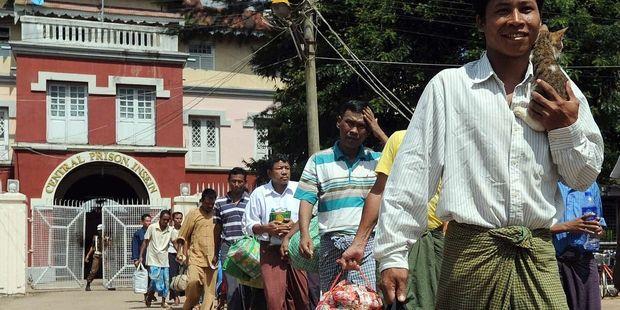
(159,240)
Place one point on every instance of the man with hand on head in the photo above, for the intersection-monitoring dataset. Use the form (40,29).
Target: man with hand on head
(339,179)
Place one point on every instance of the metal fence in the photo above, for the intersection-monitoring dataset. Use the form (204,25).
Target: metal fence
(57,247)
(120,222)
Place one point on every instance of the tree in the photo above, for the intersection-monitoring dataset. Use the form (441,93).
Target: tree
(435,32)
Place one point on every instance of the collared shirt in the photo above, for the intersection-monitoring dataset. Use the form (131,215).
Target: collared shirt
(136,243)
(339,185)
(198,232)
(385,166)
(174,234)
(263,200)
(496,171)
(157,250)
(573,202)
(229,214)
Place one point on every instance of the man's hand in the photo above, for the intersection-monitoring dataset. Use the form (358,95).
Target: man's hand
(181,258)
(394,284)
(373,125)
(86,259)
(283,229)
(352,257)
(284,248)
(137,262)
(306,247)
(582,225)
(556,112)
(271,229)
(214,262)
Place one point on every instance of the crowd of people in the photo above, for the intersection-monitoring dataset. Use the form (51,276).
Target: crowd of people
(467,209)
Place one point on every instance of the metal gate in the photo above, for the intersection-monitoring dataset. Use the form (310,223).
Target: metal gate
(57,234)
(120,222)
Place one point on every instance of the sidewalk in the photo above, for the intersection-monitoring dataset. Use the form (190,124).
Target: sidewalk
(100,299)
(97,299)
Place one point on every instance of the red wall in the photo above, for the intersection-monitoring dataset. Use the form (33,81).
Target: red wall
(101,109)
(33,170)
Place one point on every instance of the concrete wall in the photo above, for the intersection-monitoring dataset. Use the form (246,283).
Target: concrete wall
(13,234)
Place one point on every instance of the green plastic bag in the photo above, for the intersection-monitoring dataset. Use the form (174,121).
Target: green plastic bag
(243,278)
(245,254)
(300,262)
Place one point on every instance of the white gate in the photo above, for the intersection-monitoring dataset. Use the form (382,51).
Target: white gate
(57,247)
(120,222)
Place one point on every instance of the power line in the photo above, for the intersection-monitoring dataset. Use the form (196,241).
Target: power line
(451,65)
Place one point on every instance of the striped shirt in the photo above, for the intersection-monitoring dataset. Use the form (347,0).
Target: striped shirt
(496,171)
(230,216)
(339,186)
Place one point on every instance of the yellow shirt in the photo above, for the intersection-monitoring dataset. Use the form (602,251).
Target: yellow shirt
(198,230)
(385,166)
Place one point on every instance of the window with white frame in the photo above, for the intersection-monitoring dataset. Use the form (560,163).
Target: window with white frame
(201,56)
(261,145)
(67,113)
(4,134)
(204,141)
(135,111)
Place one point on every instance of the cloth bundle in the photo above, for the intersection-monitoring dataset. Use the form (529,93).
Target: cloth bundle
(346,295)
(243,262)
(300,262)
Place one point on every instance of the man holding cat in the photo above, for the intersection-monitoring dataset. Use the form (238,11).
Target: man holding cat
(499,188)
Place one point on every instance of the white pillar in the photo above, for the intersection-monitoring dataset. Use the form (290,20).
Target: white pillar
(13,220)
(184,204)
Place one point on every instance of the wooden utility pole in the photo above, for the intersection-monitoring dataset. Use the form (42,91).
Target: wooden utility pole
(312,109)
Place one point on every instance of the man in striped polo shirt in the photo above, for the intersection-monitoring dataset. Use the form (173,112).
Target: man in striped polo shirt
(228,215)
(339,178)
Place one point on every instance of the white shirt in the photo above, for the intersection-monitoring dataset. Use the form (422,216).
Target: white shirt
(496,171)
(174,234)
(157,250)
(264,199)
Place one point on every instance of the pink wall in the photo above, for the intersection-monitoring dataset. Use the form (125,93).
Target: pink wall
(236,142)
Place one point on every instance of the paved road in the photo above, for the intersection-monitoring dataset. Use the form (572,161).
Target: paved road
(100,299)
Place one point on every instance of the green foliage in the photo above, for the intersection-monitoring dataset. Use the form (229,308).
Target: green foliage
(436,32)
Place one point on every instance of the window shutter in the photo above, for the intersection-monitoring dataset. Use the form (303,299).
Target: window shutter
(67,114)
(262,145)
(136,116)
(4,134)
(211,139)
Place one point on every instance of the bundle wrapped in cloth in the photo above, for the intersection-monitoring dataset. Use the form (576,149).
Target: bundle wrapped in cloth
(346,295)
(297,260)
(243,262)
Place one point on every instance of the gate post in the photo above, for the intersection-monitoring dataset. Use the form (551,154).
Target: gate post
(184,204)
(13,217)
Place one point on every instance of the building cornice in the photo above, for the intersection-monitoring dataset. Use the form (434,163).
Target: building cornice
(86,147)
(42,49)
(7,79)
(234,92)
(207,168)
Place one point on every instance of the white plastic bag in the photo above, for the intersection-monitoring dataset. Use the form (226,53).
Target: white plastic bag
(140,280)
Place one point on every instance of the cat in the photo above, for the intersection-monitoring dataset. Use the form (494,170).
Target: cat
(545,54)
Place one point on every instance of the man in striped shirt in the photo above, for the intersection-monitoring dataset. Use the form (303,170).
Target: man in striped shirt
(339,178)
(499,177)
(228,214)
